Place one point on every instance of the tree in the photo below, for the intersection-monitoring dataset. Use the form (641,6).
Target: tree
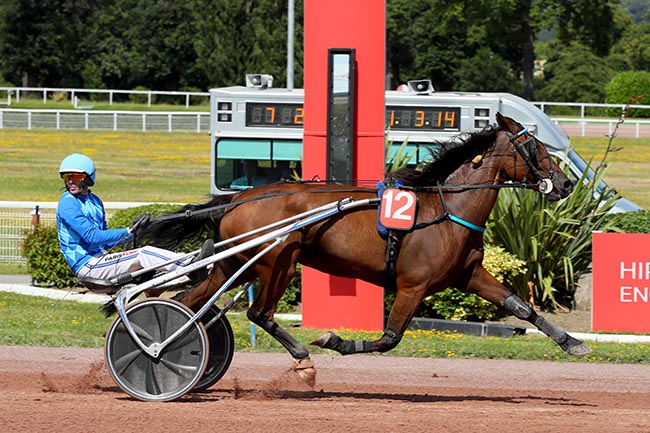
(634,47)
(38,41)
(235,37)
(576,75)
(131,43)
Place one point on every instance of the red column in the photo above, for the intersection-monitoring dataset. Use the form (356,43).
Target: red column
(328,301)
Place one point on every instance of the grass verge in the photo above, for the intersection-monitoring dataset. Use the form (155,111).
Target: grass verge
(175,167)
(37,321)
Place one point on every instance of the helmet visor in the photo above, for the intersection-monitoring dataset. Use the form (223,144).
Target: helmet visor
(74,177)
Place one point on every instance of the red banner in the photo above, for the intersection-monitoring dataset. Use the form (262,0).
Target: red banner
(621,277)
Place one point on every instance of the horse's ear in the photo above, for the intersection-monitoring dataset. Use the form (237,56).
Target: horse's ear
(506,123)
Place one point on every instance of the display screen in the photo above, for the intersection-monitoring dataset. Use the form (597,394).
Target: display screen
(286,115)
(274,114)
(423,118)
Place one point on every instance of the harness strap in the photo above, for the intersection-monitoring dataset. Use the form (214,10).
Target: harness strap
(451,217)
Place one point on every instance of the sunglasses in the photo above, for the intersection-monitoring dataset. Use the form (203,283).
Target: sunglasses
(74,177)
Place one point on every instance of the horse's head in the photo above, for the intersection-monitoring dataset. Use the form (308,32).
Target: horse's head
(536,163)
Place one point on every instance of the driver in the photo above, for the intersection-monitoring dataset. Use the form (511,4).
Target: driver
(84,236)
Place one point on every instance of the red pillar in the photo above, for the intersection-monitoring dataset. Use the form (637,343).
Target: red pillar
(328,301)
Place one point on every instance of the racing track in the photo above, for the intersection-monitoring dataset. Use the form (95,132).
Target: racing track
(63,390)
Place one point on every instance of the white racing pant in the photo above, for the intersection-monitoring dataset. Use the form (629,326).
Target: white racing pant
(113,264)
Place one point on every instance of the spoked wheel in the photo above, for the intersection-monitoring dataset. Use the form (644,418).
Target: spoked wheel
(178,367)
(222,346)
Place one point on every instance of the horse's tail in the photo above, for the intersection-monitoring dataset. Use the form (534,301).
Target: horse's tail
(193,223)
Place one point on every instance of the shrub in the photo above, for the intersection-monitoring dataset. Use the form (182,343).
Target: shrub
(195,99)
(557,247)
(626,86)
(631,222)
(45,263)
(141,98)
(59,96)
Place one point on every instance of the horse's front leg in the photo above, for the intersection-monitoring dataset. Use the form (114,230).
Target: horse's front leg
(489,288)
(403,310)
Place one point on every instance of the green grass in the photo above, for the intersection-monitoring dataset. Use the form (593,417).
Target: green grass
(37,321)
(175,167)
(627,168)
(12,269)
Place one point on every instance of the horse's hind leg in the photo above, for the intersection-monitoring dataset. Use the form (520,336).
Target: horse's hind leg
(274,281)
(487,287)
(406,303)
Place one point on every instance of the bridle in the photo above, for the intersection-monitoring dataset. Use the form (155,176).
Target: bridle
(528,151)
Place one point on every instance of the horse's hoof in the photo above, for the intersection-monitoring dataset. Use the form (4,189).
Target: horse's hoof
(323,341)
(579,350)
(575,347)
(305,370)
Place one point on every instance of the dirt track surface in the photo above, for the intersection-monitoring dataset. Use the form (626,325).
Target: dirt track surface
(65,390)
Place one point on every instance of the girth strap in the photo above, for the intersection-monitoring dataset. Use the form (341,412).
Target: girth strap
(392,251)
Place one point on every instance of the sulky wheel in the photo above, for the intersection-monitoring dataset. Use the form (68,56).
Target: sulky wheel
(222,346)
(178,367)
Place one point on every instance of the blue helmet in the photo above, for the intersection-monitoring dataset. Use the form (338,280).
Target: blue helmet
(78,163)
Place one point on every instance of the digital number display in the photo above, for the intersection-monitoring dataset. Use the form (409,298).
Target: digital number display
(275,114)
(285,115)
(423,118)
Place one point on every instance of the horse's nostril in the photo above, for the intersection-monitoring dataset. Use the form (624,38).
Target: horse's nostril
(568,185)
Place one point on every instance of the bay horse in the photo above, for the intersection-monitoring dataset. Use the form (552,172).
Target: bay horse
(455,193)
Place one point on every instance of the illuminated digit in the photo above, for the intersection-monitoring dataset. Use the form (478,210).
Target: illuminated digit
(270,115)
(450,119)
(439,123)
(298,118)
(392,118)
(419,119)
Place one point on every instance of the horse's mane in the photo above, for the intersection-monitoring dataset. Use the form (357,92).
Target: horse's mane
(446,157)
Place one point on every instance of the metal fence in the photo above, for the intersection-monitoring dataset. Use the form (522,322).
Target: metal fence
(105,120)
(18,218)
(586,119)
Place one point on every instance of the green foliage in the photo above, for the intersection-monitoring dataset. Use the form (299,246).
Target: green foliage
(626,86)
(575,75)
(632,50)
(631,222)
(557,247)
(494,75)
(167,45)
(45,263)
(399,159)
(141,98)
